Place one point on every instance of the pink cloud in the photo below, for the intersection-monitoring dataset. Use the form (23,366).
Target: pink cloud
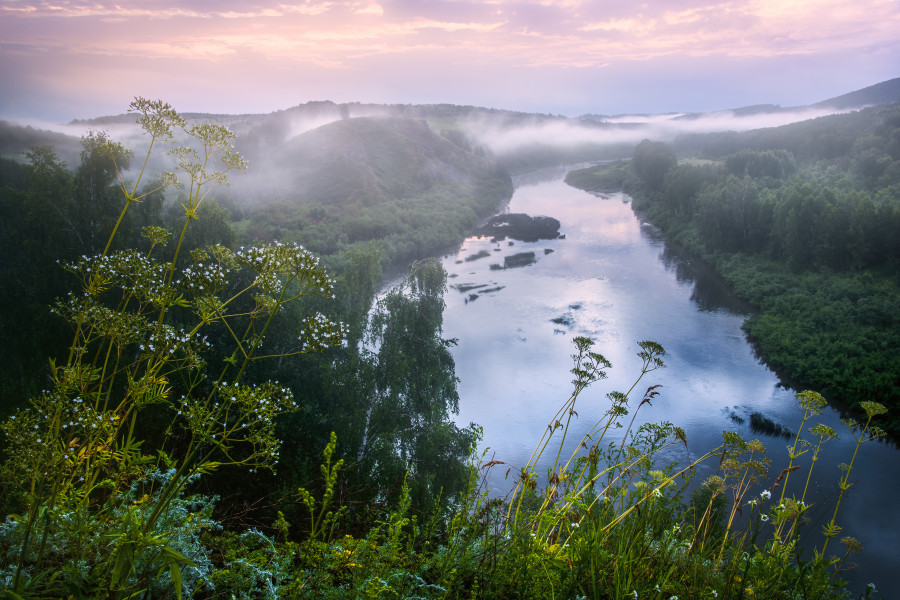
(335,45)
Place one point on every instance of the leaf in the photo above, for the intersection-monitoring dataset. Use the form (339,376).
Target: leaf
(178,557)
(175,570)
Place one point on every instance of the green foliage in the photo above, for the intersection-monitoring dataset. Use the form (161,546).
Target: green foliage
(775,164)
(651,161)
(836,330)
(323,521)
(138,326)
(35,231)
(169,556)
(391,181)
(605,177)
(614,523)
(408,427)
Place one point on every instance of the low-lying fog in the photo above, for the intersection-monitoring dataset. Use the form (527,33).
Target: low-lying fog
(628,128)
(500,133)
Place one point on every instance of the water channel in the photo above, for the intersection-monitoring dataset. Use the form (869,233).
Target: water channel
(614,279)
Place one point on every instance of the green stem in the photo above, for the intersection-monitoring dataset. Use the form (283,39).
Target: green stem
(843,482)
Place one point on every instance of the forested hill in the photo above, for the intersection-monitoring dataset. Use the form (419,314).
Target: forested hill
(880,93)
(389,180)
(831,137)
(369,160)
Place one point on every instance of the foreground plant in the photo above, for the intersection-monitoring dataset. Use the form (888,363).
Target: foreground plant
(80,472)
(615,520)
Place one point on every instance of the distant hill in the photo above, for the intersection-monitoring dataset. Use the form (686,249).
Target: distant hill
(16,140)
(827,137)
(467,126)
(885,92)
(374,159)
(389,179)
(880,93)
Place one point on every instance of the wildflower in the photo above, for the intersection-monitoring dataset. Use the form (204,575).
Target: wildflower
(657,493)
(853,545)
(765,494)
(764,518)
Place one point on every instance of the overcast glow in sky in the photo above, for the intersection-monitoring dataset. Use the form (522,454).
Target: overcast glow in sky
(64,59)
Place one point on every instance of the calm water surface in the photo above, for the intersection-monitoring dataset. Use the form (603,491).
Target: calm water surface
(613,279)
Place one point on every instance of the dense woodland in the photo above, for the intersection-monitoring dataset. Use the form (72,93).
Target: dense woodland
(802,222)
(225,415)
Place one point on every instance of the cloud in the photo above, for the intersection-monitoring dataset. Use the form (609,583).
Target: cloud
(539,33)
(279,48)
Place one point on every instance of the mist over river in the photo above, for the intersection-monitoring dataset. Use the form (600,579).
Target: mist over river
(613,279)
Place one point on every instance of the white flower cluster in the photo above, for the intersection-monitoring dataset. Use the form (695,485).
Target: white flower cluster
(166,341)
(83,432)
(242,414)
(319,332)
(124,328)
(273,261)
(204,279)
(128,269)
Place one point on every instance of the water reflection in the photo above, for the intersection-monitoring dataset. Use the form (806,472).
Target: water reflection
(709,291)
(617,281)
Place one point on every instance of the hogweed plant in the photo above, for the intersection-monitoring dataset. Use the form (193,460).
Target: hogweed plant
(616,520)
(862,434)
(602,489)
(140,324)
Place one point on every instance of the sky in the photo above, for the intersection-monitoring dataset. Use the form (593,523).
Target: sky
(67,59)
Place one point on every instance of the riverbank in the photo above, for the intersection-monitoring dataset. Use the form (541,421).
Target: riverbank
(833,331)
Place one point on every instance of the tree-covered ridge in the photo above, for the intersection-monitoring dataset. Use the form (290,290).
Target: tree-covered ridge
(389,180)
(801,221)
(836,138)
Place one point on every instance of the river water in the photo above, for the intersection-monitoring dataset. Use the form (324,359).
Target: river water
(614,279)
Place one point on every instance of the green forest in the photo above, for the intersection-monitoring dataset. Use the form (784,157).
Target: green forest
(801,221)
(207,401)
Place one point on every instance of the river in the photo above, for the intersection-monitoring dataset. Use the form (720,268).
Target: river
(614,279)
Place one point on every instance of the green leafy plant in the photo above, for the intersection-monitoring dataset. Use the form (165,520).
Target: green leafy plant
(323,521)
(138,325)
